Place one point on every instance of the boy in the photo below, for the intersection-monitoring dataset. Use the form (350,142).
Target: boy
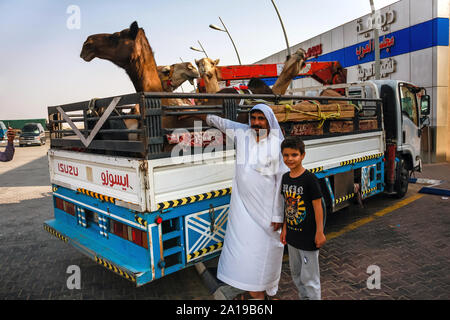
(303,220)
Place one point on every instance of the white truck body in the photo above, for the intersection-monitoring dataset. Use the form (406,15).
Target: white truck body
(143,184)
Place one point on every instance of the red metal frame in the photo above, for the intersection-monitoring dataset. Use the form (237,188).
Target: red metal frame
(329,72)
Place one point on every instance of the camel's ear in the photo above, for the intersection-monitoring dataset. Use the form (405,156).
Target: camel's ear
(134,28)
(197,61)
(216,62)
(165,69)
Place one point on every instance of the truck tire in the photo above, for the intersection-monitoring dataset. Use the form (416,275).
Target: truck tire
(401,179)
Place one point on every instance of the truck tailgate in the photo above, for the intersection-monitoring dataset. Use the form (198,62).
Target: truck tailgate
(107,178)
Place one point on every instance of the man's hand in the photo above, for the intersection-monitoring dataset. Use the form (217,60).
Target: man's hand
(276,226)
(11,134)
(320,239)
(283,234)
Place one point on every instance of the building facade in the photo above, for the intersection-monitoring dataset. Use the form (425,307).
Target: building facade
(414,45)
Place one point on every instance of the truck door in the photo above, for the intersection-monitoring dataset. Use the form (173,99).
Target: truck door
(410,122)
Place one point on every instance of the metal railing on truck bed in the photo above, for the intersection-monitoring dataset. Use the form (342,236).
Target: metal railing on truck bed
(99,125)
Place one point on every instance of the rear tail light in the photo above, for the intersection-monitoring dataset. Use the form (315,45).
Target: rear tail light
(65,206)
(134,235)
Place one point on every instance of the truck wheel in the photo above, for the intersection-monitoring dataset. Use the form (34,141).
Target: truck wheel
(401,180)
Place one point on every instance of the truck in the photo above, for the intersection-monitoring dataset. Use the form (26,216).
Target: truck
(144,208)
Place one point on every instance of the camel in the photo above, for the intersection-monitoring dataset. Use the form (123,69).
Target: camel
(293,65)
(174,75)
(130,50)
(291,68)
(208,72)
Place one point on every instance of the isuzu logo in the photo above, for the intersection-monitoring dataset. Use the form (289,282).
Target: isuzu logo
(68,169)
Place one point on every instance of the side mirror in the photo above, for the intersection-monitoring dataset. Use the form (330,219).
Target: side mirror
(424,122)
(425,105)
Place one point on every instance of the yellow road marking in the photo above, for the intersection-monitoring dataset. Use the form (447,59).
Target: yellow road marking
(366,220)
(378,214)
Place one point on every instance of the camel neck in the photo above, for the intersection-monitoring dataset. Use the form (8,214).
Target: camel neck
(142,69)
(212,85)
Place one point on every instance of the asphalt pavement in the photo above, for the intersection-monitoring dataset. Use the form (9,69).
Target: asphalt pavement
(404,240)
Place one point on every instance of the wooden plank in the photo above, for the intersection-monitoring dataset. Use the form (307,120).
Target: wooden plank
(309,111)
(306,129)
(347,126)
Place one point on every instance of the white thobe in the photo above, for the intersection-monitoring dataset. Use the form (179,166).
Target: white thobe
(252,253)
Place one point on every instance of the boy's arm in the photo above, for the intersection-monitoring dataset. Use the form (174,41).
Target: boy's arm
(318,213)
(278,201)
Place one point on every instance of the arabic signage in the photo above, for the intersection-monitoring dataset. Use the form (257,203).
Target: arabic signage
(314,51)
(376,21)
(387,67)
(386,43)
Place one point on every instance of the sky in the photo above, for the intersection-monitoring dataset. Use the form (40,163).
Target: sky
(40,62)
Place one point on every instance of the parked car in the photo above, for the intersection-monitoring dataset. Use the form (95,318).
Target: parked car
(3,130)
(32,133)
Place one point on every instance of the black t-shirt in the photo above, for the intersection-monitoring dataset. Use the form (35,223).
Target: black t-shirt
(299,214)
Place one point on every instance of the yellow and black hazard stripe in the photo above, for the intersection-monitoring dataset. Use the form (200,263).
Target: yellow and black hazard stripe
(191,199)
(361,159)
(97,195)
(55,233)
(204,251)
(369,190)
(115,269)
(344,198)
(141,221)
(315,170)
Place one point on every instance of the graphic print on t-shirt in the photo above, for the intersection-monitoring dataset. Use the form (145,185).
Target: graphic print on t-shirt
(295,209)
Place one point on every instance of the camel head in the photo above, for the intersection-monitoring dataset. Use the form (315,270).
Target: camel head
(291,69)
(129,49)
(185,71)
(207,67)
(173,76)
(208,72)
(295,62)
(116,47)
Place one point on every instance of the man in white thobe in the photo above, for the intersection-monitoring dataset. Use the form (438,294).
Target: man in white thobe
(252,253)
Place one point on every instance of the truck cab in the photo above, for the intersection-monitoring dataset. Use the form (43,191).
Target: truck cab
(406,110)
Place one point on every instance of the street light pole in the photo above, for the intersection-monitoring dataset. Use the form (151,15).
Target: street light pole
(284,30)
(212,26)
(199,50)
(377,42)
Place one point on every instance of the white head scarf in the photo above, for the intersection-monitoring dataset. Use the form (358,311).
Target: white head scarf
(270,116)
(272,161)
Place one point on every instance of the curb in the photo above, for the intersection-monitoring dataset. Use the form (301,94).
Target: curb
(425,181)
(430,189)
(435,191)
